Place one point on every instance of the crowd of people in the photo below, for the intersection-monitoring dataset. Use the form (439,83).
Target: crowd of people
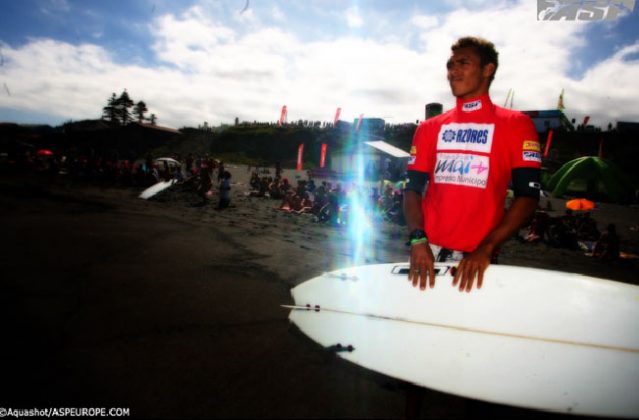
(574,231)
(328,202)
(195,172)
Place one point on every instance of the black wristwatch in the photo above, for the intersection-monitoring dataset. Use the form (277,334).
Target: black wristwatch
(417,236)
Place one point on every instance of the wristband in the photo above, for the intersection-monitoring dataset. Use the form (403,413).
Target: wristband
(418,241)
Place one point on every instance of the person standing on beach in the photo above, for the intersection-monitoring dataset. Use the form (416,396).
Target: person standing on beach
(225,191)
(468,156)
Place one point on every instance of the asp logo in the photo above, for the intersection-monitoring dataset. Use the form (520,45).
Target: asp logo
(584,10)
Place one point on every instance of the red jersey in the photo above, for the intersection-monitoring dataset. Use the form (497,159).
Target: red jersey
(469,153)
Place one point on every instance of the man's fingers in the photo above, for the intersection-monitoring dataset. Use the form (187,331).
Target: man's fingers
(470,280)
(431,274)
(458,274)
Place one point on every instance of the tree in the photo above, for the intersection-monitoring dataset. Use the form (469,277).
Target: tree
(122,108)
(139,110)
(109,111)
(152,119)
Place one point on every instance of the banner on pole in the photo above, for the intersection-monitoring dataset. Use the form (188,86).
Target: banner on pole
(336,119)
(300,153)
(359,122)
(550,133)
(323,155)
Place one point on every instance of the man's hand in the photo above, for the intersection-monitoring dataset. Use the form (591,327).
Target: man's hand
(422,267)
(471,267)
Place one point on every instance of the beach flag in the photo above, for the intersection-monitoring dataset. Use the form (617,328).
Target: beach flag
(359,122)
(283,115)
(560,103)
(323,155)
(510,97)
(507,97)
(586,119)
(300,153)
(548,141)
(339,111)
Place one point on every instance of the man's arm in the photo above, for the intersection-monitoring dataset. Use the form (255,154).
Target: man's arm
(422,266)
(474,264)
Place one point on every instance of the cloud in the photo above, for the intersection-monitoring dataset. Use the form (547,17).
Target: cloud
(277,14)
(213,70)
(424,22)
(353,17)
(609,89)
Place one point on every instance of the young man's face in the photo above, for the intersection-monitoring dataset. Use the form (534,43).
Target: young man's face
(467,78)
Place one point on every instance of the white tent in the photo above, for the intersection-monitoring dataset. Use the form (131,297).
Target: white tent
(382,161)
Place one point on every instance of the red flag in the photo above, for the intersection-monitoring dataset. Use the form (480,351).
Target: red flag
(283,115)
(548,141)
(339,111)
(323,156)
(300,153)
(586,119)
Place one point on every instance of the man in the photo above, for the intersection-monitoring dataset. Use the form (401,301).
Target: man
(468,156)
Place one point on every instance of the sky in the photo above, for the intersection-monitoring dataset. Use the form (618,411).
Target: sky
(211,61)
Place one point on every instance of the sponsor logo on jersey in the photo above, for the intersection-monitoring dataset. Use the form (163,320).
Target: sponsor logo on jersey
(467,136)
(413,150)
(462,169)
(532,145)
(411,160)
(472,106)
(532,156)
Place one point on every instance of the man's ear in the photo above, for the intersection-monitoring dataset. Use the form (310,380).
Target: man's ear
(488,70)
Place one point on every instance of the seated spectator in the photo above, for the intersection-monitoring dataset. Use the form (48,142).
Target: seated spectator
(255,181)
(311,186)
(261,190)
(587,228)
(538,228)
(275,190)
(563,232)
(607,247)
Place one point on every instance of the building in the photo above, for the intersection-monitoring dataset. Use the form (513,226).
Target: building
(554,119)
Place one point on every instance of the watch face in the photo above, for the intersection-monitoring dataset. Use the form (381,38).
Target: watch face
(417,234)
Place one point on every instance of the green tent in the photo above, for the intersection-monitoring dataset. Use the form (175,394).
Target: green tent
(594,178)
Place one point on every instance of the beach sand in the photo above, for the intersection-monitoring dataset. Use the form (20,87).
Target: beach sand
(172,309)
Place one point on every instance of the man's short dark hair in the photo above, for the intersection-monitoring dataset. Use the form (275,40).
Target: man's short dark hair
(484,48)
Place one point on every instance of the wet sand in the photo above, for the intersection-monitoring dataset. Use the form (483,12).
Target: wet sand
(172,309)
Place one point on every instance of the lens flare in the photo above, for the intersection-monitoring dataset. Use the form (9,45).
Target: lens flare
(357,216)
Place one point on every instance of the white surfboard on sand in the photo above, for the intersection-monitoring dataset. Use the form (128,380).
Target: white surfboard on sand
(531,338)
(156,188)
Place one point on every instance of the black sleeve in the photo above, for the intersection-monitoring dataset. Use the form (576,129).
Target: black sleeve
(417,181)
(526,182)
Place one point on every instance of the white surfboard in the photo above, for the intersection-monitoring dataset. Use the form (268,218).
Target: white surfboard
(156,188)
(531,338)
